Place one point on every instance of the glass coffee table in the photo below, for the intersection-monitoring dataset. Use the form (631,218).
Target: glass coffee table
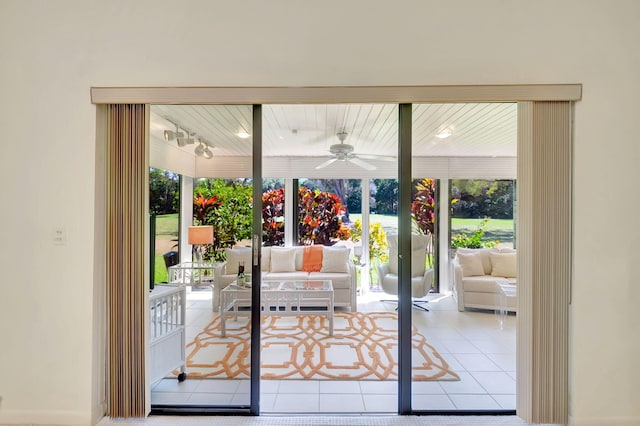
(285,298)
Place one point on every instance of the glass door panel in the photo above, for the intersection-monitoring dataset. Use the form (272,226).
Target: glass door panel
(462,359)
(211,147)
(324,220)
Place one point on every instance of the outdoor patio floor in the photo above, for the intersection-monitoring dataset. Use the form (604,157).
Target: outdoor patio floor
(472,342)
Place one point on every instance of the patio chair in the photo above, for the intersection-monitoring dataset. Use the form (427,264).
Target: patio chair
(421,278)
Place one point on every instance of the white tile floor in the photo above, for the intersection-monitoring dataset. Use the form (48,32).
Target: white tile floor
(473,344)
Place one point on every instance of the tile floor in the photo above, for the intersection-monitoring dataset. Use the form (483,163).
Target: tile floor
(472,343)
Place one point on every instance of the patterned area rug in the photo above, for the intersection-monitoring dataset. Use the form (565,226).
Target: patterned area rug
(363,347)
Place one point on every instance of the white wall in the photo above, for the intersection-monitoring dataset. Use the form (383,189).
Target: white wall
(51,53)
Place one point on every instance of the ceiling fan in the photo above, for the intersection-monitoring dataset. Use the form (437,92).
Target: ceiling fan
(344,152)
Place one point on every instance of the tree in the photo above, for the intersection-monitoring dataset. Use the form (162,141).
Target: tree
(164,191)
(483,198)
(386,196)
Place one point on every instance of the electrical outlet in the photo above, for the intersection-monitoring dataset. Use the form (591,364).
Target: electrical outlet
(59,237)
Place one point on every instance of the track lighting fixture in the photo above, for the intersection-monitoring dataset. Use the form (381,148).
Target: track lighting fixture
(207,153)
(203,148)
(170,135)
(182,141)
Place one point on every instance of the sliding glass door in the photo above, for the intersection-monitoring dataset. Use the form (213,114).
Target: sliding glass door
(200,321)
(317,290)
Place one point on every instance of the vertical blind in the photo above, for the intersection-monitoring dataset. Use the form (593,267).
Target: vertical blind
(544,260)
(126,285)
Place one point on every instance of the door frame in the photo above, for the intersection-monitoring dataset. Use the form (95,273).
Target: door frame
(534,100)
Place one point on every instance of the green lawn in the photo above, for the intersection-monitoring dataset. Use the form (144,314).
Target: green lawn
(497,229)
(166,232)
(167,224)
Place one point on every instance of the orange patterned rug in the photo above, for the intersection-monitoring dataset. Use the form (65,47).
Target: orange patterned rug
(364,346)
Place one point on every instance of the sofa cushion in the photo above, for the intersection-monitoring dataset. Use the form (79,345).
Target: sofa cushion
(236,256)
(266,259)
(335,259)
(285,276)
(471,264)
(283,259)
(484,256)
(503,265)
(338,279)
(480,284)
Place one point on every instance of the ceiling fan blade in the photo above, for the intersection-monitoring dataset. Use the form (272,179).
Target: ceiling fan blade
(363,164)
(326,163)
(377,157)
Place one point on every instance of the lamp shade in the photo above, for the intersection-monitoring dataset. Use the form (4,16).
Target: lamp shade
(200,235)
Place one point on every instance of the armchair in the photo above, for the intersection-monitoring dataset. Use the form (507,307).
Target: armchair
(421,278)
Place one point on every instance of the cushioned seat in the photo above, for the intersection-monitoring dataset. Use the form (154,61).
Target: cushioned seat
(477,273)
(482,284)
(421,278)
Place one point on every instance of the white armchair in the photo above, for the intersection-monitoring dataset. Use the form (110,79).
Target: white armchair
(421,278)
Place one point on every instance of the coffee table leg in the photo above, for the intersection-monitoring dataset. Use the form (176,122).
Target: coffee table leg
(502,308)
(331,317)
(223,323)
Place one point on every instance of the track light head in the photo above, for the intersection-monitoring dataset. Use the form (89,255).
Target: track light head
(207,153)
(170,135)
(182,141)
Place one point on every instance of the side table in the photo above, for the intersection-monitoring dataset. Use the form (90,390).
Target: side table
(199,274)
(506,291)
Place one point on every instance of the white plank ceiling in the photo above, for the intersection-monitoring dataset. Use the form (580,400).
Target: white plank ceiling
(305,132)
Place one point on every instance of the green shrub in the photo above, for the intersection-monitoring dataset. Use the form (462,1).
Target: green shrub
(320,218)
(474,240)
(273,217)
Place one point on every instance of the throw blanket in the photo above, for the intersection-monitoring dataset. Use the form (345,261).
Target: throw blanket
(312,259)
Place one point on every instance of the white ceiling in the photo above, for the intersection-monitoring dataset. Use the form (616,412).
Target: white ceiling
(477,129)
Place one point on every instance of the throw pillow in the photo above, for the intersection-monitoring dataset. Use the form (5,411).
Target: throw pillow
(234,257)
(283,259)
(471,264)
(504,265)
(266,258)
(335,259)
(312,259)
(484,256)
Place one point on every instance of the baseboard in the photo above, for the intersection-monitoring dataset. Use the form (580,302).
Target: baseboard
(600,421)
(34,417)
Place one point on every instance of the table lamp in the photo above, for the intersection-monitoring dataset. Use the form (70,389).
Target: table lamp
(199,236)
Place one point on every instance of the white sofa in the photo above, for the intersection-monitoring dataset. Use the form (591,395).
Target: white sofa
(287,264)
(475,272)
